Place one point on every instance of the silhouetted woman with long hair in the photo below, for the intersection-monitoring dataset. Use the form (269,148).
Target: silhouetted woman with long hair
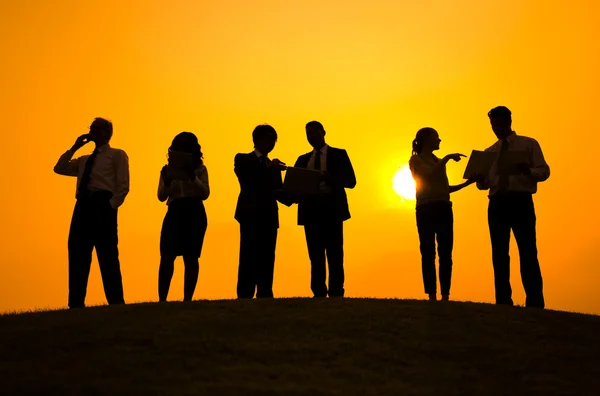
(185,223)
(434,210)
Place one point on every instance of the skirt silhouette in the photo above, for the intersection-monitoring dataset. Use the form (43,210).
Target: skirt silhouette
(183,228)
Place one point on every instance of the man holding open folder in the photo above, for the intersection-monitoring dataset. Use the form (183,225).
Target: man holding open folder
(323,214)
(512,181)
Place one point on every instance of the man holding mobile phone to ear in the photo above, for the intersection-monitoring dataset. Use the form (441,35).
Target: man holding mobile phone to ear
(102,185)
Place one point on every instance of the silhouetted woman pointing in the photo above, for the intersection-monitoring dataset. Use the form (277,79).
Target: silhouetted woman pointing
(434,209)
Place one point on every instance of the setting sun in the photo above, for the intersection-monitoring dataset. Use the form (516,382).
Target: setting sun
(404,184)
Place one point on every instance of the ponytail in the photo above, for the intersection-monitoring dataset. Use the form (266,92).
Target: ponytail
(416,147)
(417,143)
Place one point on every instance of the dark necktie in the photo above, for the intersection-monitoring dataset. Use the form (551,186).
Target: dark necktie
(502,167)
(263,160)
(318,160)
(85,178)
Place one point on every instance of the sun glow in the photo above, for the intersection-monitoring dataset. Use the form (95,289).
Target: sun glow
(404,184)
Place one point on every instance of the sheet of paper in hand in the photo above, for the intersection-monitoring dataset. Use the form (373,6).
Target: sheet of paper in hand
(177,165)
(301,181)
(480,162)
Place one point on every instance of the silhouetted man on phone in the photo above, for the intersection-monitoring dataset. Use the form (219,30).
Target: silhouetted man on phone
(511,207)
(258,213)
(323,214)
(102,185)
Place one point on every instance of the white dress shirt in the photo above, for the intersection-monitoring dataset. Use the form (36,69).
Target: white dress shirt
(110,171)
(311,161)
(183,188)
(259,154)
(540,171)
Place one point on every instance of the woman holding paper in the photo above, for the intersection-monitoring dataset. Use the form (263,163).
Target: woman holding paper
(184,185)
(434,209)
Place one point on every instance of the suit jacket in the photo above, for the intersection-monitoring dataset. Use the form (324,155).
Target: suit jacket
(260,189)
(334,205)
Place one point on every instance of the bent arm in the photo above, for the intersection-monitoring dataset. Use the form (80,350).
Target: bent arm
(280,195)
(121,181)
(484,184)
(201,183)
(66,165)
(420,168)
(348,175)
(540,170)
(163,191)
(460,186)
(243,172)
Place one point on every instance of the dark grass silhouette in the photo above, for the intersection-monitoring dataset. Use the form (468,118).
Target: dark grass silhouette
(300,347)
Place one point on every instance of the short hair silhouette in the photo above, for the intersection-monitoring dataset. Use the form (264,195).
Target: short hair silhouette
(316,124)
(417,143)
(103,124)
(188,143)
(263,132)
(501,112)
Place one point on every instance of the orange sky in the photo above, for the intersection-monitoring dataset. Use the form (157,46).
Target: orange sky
(373,72)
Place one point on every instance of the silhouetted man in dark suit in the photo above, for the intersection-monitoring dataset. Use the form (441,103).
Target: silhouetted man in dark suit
(102,185)
(323,214)
(258,214)
(511,208)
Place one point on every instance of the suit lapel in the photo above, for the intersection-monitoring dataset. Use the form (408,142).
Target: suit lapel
(331,157)
(256,160)
(304,158)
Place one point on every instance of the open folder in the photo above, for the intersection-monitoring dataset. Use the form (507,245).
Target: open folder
(480,162)
(301,181)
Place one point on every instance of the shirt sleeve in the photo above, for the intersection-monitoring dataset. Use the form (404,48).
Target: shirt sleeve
(540,170)
(163,191)
(201,183)
(122,179)
(66,165)
(418,167)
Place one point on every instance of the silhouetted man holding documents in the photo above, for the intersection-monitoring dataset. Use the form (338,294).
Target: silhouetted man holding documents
(258,214)
(323,214)
(512,180)
(102,185)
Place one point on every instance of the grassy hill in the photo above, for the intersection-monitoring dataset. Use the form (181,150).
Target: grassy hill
(300,347)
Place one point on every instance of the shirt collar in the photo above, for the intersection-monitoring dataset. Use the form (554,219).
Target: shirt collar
(104,147)
(511,137)
(323,150)
(259,154)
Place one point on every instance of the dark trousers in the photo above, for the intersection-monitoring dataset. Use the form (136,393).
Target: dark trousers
(436,220)
(515,211)
(94,224)
(326,238)
(257,260)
